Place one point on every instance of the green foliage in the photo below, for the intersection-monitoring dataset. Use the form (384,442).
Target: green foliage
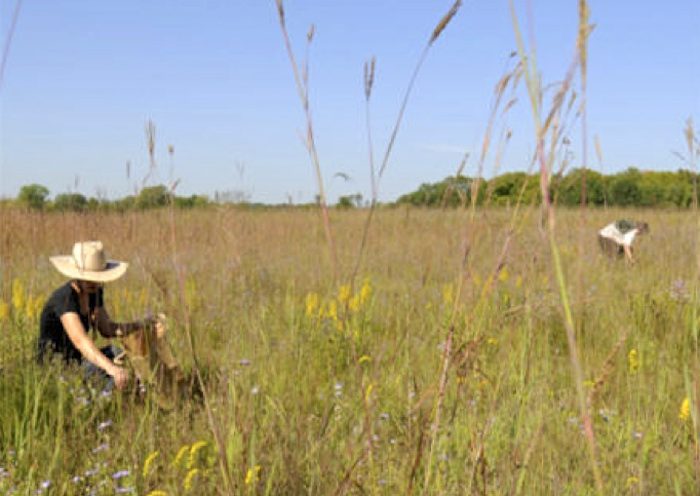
(630,188)
(350,201)
(153,197)
(569,189)
(73,202)
(33,196)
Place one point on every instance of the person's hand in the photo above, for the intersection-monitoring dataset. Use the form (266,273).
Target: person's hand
(120,376)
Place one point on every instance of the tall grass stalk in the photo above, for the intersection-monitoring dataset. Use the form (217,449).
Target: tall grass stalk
(302,85)
(369,80)
(8,40)
(545,162)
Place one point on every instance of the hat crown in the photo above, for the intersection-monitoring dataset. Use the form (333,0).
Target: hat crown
(89,255)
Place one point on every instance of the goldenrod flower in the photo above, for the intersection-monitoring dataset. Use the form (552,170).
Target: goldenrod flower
(368,391)
(365,291)
(187,483)
(181,455)
(354,303)
(251,476)
(193,453)
(332,311)
(633,361)
(311,304)
(344,293)
(157,492)
(149,461)
(684,412)
(17,295)
(4,310)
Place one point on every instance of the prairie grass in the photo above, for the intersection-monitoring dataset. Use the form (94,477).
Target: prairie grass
(319,388)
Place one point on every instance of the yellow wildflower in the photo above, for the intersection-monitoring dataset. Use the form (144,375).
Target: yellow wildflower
(251,476)
(447,294)
(365,291)
(633,361)
(157,492)
(193,453)
(503,275)
(368,391)
(17,295)
(344,293)
(38,306)
(492,341)
(684,412)
(149,461)
(311,304)
(332,311)
(354,303)
(4,310)
(187,483)
(180,455)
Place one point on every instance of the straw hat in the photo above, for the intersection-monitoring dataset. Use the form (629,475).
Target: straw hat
(89,263)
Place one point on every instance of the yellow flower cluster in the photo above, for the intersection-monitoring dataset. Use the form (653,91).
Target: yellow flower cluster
(684,412)
(149,461)
(22,303)
(194,450)
(4,311)
(157,492)
(633,361)
(314,307)
(252,475)
(18,295)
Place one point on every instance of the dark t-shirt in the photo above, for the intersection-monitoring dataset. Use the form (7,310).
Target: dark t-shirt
(52,335)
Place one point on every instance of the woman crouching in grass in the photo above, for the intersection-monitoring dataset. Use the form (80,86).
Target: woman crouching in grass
(77,307)
(616,238)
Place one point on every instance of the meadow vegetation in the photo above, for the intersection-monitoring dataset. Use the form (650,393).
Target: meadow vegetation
(322,386)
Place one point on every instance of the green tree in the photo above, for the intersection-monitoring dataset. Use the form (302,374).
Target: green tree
(74,202)
(568,190)
(624,188)
(33,196)
(153,197)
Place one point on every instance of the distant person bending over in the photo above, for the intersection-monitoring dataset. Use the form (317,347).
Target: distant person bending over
(616,238)
(77,306)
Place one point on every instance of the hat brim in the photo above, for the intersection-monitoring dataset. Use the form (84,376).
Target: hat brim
(65,264)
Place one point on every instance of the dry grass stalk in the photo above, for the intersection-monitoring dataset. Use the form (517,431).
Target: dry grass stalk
(445,21)
(606,369)
(369,80)
(8,40)
(301,80)
(545,161)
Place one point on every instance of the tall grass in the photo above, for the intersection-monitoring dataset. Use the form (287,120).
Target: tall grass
(300,380)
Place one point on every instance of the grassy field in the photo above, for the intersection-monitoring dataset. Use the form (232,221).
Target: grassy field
(319,386)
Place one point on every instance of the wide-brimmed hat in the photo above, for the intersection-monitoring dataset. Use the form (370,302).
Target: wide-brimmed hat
(89,263)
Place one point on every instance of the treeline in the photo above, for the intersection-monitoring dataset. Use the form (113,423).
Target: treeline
(630,188)
(36,197)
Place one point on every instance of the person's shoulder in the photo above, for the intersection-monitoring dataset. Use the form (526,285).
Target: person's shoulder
(63,297)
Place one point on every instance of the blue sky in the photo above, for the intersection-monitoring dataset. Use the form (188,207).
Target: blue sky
(83,78)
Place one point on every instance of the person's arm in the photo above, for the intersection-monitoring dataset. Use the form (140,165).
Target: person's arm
(80,339)
(628,253)
(110,329)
